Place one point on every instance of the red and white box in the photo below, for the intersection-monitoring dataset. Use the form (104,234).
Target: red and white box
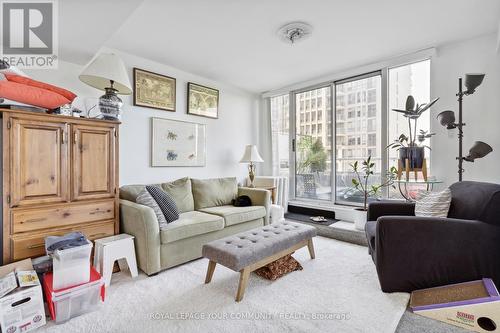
(71,302)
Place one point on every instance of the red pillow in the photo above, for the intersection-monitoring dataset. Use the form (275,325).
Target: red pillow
(31,95)
(33,83)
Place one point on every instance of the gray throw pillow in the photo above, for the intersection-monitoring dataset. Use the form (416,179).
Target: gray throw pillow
(434,204)
(144,198)
(165,202)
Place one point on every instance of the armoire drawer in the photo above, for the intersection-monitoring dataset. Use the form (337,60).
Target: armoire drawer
(34,245)
(26,220)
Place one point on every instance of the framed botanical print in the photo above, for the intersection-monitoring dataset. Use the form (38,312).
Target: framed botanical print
(203,101)
(154,90)
(177,143)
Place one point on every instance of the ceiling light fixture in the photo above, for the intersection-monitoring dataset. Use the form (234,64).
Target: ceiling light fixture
(294,32)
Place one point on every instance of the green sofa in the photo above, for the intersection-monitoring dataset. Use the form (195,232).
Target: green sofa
(206,214)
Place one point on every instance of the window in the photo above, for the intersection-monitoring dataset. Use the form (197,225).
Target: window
(363,90)
(313,156)
(412,79)
(280,124)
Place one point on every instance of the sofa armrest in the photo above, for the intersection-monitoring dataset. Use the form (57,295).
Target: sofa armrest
(421,252)
(377,209)
(259,197)
(140,221)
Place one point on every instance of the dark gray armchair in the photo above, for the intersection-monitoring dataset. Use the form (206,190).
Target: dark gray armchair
(412,252)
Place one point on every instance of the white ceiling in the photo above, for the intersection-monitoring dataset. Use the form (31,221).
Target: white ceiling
(235,41)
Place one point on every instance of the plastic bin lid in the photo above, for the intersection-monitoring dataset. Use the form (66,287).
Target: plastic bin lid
(95,278)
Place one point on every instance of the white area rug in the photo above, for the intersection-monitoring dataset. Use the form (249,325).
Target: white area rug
(340,283)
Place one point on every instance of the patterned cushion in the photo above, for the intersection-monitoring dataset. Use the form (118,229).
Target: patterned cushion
(435,204)
(165,202)
(144,198)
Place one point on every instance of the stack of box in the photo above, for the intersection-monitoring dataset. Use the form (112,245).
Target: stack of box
(74,287)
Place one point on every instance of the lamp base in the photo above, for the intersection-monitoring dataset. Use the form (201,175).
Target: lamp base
(110,105)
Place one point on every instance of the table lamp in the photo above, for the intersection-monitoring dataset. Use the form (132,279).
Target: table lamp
(107,72)
(251,156)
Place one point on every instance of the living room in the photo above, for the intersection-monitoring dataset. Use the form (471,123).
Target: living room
(188,166)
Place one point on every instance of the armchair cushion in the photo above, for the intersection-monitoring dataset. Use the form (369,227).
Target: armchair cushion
(234,215)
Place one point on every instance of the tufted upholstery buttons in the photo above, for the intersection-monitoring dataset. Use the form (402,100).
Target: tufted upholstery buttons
(240,250)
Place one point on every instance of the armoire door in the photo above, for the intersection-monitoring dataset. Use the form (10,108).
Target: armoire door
(39,162)
(93,157)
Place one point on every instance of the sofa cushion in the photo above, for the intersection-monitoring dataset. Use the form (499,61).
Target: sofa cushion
(130,192)
(190,224)
(234,215)
(165,202)
(146,199)
(371,231)
(180,191)
(214,192)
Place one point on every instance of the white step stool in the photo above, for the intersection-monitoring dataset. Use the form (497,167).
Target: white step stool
(109,249)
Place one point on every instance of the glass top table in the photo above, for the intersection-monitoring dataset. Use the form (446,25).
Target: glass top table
(404,184)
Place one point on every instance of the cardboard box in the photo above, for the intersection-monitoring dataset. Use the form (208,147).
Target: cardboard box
(21,310)
(471,305)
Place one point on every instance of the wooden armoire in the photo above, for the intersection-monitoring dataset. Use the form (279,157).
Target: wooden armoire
(60,174)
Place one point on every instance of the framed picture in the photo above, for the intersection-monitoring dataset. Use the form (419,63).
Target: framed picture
(177,143)
(154,90)
(203,101)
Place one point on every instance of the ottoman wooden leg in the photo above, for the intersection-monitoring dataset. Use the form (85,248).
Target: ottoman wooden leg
(210,271)
(244,275)
(310,246)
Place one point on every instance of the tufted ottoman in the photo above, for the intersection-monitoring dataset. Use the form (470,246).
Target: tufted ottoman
(250,250)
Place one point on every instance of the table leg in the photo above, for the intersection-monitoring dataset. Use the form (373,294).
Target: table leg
(310,246)
(210,271)
(244,275)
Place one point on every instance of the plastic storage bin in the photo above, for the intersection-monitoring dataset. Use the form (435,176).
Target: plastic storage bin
(71,266)
(71,302)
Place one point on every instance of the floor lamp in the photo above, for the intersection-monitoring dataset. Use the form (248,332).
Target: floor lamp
(447,118)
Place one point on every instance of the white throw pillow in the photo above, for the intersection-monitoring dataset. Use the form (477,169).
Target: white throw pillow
(435,204)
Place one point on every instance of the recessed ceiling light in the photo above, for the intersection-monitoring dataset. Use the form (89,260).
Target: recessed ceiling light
(294,32)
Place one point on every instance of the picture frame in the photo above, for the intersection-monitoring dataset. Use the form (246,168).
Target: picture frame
(177,143)
(154,90)
(202,101)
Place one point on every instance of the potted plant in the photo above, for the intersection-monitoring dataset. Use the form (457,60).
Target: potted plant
(361,184)
(410,146)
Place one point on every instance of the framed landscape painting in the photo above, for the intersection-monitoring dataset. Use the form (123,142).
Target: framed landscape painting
(154,90)
(203,101)
(177,143)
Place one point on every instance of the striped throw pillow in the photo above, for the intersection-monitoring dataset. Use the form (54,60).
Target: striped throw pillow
(166,203)
(434,204)
(144,198)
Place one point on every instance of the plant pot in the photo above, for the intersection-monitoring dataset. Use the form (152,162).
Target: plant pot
(415,155)
(360,217)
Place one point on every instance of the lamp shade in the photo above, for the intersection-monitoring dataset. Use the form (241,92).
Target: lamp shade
(472,81)
(104,68)
(447,119)
(478,150)
(251,155)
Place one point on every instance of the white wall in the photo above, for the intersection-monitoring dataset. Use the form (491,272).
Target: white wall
(481,110)
(226,136)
